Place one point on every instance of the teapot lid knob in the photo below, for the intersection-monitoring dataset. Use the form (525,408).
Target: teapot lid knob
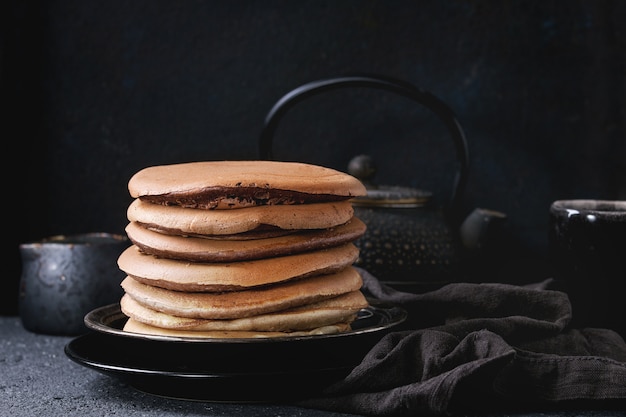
(363,167)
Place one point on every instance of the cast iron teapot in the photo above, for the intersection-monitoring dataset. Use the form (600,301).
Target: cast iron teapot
(409,244)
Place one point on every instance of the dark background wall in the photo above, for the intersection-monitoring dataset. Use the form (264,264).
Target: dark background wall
(93,91)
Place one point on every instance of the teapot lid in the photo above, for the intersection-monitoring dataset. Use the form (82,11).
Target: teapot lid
(363,168)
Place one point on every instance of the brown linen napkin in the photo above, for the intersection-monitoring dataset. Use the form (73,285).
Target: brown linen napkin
(480,348)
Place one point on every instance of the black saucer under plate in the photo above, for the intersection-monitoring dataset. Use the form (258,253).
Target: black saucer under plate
(228,370)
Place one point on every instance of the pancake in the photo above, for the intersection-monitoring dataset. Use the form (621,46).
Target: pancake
(238,184)
(237,304)
(197,249)
(134,326)
(241,249)
(233,276)
(190,221)
(341,309)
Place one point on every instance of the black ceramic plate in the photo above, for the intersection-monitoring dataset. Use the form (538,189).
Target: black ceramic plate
(110,320)
(230,370)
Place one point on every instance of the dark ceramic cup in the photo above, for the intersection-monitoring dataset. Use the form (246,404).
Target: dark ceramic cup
(587,241)
(65,277)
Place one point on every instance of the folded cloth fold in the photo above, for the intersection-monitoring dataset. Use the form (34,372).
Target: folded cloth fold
(479,348)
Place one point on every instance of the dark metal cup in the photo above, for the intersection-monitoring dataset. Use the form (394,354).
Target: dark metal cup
(587,241)
(65,277)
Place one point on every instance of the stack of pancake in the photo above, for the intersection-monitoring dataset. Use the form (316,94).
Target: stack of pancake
(241,249)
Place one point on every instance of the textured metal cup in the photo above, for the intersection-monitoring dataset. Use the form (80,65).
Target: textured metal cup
(588,253)
(65,277)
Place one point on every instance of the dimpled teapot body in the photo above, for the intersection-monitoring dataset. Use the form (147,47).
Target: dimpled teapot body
(408,244)
(411,249)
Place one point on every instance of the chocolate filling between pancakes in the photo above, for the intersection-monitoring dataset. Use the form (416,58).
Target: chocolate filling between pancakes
(237,197)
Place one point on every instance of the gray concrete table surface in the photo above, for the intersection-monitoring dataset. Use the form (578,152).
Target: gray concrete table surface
(38,379)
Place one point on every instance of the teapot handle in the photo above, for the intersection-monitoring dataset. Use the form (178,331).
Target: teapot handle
(403,88)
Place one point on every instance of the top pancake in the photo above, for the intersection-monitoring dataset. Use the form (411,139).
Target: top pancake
(238,184)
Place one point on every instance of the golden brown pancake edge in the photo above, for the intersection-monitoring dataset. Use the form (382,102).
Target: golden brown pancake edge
(237,304)
(199,249)
(341,309)
(233,276)
(191,221)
